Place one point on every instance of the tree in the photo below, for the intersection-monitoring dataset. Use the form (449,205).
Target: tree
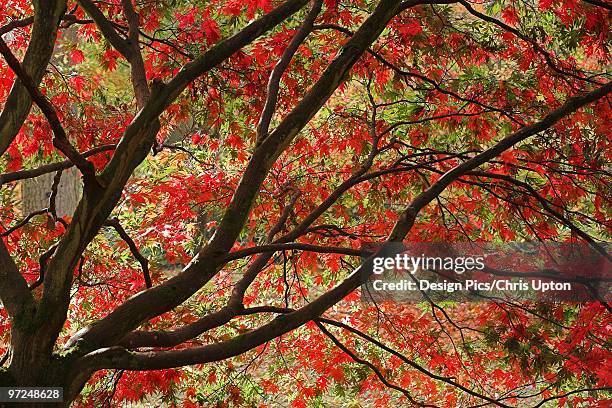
(283,135)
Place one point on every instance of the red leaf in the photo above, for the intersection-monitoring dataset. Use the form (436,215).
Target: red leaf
(211,30)
(509,15)
(410,29)
(77,56)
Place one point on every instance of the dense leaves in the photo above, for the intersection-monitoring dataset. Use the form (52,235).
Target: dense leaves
(442,83)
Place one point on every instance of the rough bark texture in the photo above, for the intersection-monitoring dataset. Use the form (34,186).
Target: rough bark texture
(35,193)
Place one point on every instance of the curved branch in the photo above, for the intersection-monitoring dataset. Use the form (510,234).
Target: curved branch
(60,140)
(572,104)
(210,259)
(537,47)
(144,262)
(133,148)
(23,222)
(38,54)
(280,67)
(546,205)
(409,74)
(372,367)
(50,168)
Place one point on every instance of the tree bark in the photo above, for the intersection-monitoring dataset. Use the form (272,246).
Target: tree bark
(36,192)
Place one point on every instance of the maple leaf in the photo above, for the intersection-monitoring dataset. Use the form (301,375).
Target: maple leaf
(109,59)
(509,15)
(545,4)
(412,28)
(77,56)
(211,30)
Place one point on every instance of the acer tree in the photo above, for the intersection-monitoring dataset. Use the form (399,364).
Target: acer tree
(235,155)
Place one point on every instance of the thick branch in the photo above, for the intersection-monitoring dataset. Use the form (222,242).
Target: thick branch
(50,168)
(120,358)
(135,145)
(24,22)
(206,264)
(138,73)
(106,27)
(14,291)
(129,47)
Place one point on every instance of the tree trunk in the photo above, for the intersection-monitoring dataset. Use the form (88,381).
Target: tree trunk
(36,192)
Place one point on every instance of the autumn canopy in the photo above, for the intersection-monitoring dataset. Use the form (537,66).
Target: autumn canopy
(186,187)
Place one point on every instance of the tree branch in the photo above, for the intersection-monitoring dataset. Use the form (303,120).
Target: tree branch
(50,168)
(537,47)
(160,299)
(546,205)
(447,380)
(408,216)
(23,222)
(128,48)
(24,22)
(138,72)
(372,367)
(133,148)
(38,54)
(106,28)
(279,69)
(60,139)
(144,262)
(409,74)
(14,293)
(116,357)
